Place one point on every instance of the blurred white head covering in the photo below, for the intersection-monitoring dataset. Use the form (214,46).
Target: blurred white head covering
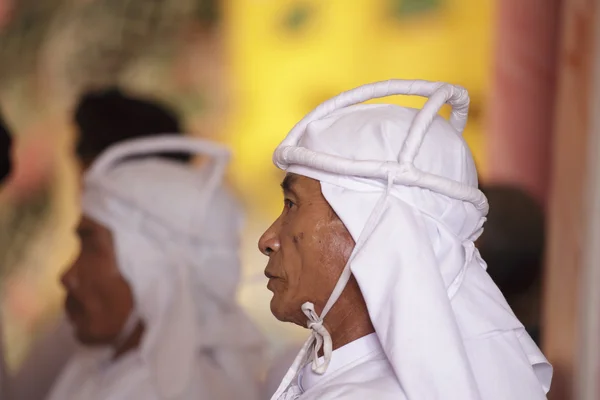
(176,234)
(405,185)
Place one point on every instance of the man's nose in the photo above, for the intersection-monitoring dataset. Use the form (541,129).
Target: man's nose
(269,241)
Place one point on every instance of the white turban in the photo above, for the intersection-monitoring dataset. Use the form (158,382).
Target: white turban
(405,185)
(176,234)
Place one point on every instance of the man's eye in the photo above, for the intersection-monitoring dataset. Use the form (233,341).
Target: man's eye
(288,203)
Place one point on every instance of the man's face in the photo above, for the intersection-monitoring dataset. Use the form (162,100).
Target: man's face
(99,299)
(308,247)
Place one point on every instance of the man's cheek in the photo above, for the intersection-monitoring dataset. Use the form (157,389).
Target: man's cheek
(288,260)
(293,274)
(97,309)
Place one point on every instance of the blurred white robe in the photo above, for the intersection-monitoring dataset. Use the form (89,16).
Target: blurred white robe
(130,378)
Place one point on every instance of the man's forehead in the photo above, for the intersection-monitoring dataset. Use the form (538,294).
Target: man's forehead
(294,182)
(289,181)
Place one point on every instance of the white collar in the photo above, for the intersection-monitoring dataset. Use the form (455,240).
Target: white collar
(341,357)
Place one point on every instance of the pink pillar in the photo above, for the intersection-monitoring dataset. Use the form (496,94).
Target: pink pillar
(518,137)
(5,12)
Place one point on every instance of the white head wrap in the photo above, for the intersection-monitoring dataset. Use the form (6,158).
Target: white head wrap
(404,183)
(176,234)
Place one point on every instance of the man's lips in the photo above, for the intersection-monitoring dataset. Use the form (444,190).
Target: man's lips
(269,275)
(272,279)
(270,271)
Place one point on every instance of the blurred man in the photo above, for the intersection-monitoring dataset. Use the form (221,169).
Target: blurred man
(103,118)
(374,253)
(153,291)
(513,248)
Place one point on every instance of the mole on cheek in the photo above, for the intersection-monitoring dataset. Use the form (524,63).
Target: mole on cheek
(298,237)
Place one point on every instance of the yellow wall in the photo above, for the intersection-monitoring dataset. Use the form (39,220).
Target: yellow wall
(279,73)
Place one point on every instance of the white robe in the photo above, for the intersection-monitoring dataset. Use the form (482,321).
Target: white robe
(129,379)
(359,370)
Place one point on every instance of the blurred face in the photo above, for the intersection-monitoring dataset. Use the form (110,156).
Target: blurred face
(99,299)
(308,247)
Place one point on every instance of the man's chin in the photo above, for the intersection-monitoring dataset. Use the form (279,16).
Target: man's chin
(285,311)
(85,339)
(89,339)
(278,310)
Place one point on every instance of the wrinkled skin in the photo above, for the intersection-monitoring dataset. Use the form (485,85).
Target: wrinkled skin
(308,247)
(99,299)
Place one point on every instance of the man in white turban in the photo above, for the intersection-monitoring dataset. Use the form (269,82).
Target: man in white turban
(152,295)
(103,118)
(374,253)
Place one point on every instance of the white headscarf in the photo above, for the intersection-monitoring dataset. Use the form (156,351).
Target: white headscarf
(176,234)
(405,185)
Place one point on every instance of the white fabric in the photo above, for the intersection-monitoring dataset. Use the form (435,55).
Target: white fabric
(176,235)
(359,370)
(444,326)
(401,167)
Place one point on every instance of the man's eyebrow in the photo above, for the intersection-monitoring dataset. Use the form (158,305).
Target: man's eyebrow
(288,182)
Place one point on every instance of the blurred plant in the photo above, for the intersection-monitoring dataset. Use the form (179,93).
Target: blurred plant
(23,34)
(25,200)
(404,8)
(89,43)
(207,11)
(298,16)
(19,227)
(51,51)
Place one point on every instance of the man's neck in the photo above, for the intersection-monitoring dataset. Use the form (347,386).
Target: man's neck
(130,343)
(349,318)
